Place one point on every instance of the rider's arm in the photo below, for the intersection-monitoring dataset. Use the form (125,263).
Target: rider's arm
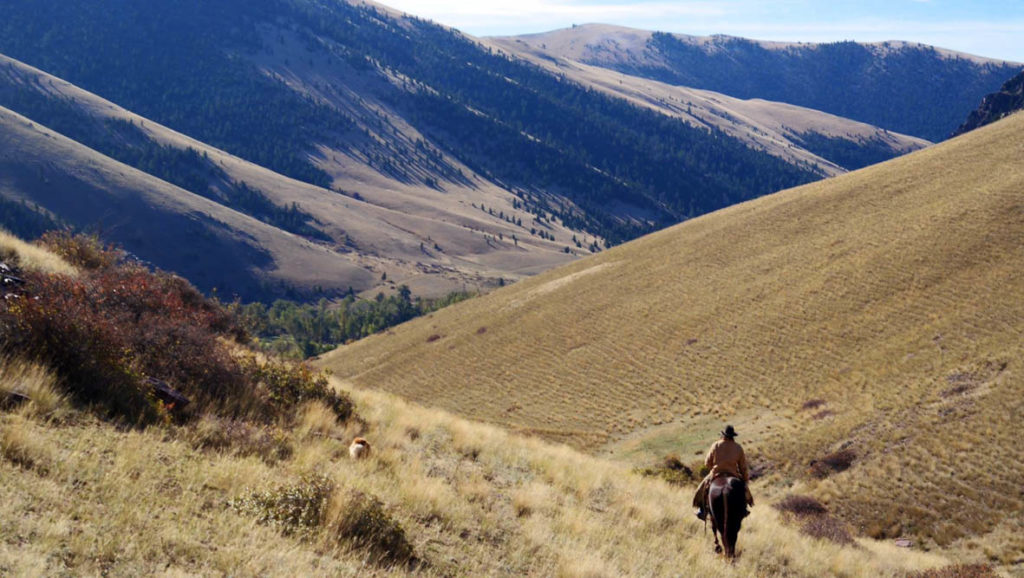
(709,461)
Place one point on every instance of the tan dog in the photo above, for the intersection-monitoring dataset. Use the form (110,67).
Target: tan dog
(359,449)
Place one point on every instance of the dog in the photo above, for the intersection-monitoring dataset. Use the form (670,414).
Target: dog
(359,449)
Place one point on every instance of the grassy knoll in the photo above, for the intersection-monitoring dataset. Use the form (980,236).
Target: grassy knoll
(877,315)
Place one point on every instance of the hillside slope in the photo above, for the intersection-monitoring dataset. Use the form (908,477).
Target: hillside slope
(217,247)
(904,87)
(433,241)
(877,312)
(249,474)
(420,119)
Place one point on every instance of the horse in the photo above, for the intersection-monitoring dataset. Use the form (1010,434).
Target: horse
(727,504)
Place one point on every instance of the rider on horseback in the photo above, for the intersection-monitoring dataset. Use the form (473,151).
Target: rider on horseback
(725,457)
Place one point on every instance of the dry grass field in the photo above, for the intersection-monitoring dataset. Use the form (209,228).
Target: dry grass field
(81,497)
(863,333)
(225,496)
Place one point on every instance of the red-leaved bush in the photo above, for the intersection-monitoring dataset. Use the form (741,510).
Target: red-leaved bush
(107,330)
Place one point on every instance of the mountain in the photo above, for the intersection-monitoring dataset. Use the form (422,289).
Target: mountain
(863,333)
(904,87)
(827,143)
(1008,100)
(435,159)
(357,240)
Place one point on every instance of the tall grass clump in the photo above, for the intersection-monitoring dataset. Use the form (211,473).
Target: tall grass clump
(28,257)
(110,331)
(31,382)
(315,509)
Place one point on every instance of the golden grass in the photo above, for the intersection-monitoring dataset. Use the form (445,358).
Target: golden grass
(474,500)
(34,381)
(893,294)
(32,258)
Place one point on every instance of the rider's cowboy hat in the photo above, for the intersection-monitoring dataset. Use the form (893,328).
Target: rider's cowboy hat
(729,432)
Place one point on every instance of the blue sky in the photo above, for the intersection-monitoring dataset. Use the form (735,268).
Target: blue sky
(993,28)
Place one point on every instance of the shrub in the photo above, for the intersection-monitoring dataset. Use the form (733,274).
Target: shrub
(815,519)
(240,438)
(105,331)
(671,470)
(311,506)
(826,528)
(87,252)
(63,325)
(801,506)
(291,384)
(294,509)
(813,403)
(832,463)
(958,571)
(362,521)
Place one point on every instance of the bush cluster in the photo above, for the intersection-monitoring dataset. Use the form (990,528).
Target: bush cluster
(958,571)
(815,519)
(673,471)
(835,462)
(801,506)
(294,509)
(366,524)
(302,509)
(110,328)
(290,384)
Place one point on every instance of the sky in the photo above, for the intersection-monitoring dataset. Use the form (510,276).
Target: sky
(992,28)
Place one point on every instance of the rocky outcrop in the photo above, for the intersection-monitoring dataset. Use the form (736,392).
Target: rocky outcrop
(997,105)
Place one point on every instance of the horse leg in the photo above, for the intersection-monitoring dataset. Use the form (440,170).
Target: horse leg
(709,504)
(725,527)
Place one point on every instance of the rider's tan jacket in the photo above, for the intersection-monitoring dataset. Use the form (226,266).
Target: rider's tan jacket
(726,457)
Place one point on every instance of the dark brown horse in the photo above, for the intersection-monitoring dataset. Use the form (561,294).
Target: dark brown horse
(727,504)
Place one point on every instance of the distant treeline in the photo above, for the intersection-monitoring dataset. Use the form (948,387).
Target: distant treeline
(304,330)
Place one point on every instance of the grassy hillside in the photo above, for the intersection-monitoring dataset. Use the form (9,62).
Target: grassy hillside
(872,319)
(213,490)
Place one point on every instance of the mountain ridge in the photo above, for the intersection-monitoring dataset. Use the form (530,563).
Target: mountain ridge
(854,80)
